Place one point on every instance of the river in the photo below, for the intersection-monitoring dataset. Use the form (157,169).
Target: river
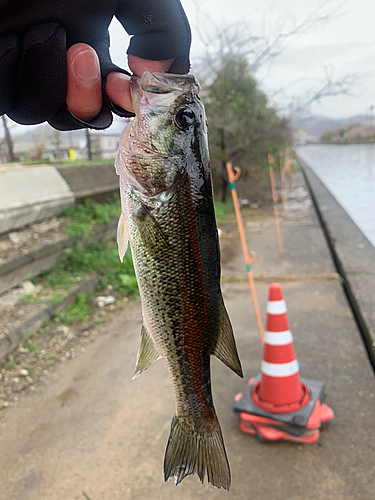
(348,171)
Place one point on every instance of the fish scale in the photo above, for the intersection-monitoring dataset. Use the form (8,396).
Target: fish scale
(168,217)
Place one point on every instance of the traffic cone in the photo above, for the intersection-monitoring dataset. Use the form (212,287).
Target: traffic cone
(278,404)
(280,388)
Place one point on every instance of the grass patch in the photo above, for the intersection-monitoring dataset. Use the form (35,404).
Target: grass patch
(81,262)
(33,348)
(30,298)
(89,214)
(95,257)
(51,355)
(55,297)
(9,365)
(223,210)
(78,311)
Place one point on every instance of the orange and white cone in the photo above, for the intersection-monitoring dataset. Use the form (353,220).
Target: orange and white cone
(278,404)
(280,385)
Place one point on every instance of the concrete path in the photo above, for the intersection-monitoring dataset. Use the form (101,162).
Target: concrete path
(95,434)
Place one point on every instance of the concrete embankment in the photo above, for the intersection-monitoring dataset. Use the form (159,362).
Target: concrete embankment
(353,254)
(30,194)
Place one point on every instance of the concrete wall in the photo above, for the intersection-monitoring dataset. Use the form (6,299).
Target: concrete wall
(30,194)
(89,180)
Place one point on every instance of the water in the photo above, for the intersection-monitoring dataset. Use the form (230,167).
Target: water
(348,171)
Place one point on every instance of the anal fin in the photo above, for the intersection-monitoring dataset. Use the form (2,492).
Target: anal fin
(225,349)
(147,353)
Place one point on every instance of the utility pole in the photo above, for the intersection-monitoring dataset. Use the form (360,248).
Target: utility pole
(9,141)
(88,142)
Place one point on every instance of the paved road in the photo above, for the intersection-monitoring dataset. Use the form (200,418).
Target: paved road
(95,431)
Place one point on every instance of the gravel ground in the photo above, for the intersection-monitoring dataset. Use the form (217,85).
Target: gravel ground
(23,302)
(17,243)
(32,365)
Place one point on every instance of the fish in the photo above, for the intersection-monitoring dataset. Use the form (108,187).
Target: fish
(168,217)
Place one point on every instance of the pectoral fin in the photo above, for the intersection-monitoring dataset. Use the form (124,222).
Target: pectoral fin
(147,353)
(122,236)
(225,349)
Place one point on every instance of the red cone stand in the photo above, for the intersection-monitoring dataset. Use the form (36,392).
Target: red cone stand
(277,403)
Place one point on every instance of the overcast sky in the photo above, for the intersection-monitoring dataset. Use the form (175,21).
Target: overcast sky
(345,45)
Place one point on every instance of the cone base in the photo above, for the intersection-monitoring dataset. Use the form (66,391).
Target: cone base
(265,433)
(270,429)
(303,425)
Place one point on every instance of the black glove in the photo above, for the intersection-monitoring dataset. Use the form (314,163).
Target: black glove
(35,35)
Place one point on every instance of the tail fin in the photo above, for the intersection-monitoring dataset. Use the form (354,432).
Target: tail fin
(197,450)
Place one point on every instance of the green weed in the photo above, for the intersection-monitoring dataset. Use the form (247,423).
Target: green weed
(9,365)
(55,297)
(78,311)
(33,348)
(80,229)
(88,214)
(51,355)
(30,298)
(223,210)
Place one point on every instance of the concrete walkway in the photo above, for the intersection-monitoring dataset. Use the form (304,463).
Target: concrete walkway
(95,431)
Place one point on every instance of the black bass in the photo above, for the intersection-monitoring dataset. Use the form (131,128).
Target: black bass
(168,217)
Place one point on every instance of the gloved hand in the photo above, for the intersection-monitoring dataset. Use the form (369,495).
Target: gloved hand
(35,36)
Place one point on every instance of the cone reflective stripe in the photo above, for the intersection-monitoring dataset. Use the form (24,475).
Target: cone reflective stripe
(278,338)
(279,369)
(276,307)
(280,382)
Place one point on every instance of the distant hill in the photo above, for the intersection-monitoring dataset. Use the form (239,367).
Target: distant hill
(317,125)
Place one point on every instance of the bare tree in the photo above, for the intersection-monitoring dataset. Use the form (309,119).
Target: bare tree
(8,141)
(55,139)
(239,40)
(39,143)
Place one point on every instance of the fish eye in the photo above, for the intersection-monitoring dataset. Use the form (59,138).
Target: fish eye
(184,118)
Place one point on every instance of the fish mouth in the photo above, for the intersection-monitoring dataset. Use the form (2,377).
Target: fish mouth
(163,83)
